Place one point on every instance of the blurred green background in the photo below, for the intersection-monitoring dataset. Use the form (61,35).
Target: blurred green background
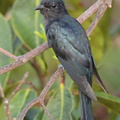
(22,29)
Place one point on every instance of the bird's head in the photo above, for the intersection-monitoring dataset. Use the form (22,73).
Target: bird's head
(51,8)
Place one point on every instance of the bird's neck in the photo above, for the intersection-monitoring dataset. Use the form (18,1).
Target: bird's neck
(51,19)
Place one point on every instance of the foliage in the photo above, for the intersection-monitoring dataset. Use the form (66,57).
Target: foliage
(6,37)
(25,31)
(18,102)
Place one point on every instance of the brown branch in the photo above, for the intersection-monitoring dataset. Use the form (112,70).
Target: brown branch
(32,86)
(41,98)
(98,16)
(19,86)
(47,112)
(6,104)
(8,54)
(90,11)
(24,58)
(93,9)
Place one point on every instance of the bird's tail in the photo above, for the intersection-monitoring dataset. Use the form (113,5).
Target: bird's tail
(86,107)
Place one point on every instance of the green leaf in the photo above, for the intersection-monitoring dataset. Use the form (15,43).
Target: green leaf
(32,114)
(25,21)
(109,101)
(2,112)
(42,33)
(39,115)
(97,41)
(110,70)
(5,43)
(18,73)
(60,105)
(20,100)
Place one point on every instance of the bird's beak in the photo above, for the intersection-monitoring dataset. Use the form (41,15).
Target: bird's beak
(40,7)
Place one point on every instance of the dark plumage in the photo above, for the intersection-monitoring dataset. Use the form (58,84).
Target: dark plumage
(69,41)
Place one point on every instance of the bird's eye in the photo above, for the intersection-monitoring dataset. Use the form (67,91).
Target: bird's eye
(53,5)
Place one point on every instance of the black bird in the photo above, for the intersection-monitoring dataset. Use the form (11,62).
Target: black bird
(70,43)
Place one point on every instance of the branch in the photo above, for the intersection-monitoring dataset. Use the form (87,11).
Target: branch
(19,86)
(98,16)
(94,8)
(24,58)
(47,112)
(8,54)
(20,60)
(41,98)
(6,104)
(7,101)
(32,86)
(90,11)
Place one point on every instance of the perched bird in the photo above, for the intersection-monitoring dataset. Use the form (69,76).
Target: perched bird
(70,43)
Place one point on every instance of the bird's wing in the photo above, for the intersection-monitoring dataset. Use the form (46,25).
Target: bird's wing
(98,77)
(69,47)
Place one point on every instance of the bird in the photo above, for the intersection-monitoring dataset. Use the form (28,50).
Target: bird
(70,43)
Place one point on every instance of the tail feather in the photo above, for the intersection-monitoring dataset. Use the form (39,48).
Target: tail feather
(86,107)
(90,93)
(98,77)
(99,80)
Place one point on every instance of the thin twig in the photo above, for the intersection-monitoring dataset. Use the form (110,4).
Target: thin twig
(19,86)
(97,18)
(31,86)
(41,98)
(47,112)
(90,11)
(6,103)
(8,54)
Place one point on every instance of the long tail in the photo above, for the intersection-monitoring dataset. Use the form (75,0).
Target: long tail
(86,107)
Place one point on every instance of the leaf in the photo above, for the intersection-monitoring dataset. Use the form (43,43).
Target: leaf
(42,33)
(18,73)
(60,105)
(33,112)
(111,69)
(2,112)
(109,101)
(97,43)
(20,100)
(25,21)
(5,43)
(39,115)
